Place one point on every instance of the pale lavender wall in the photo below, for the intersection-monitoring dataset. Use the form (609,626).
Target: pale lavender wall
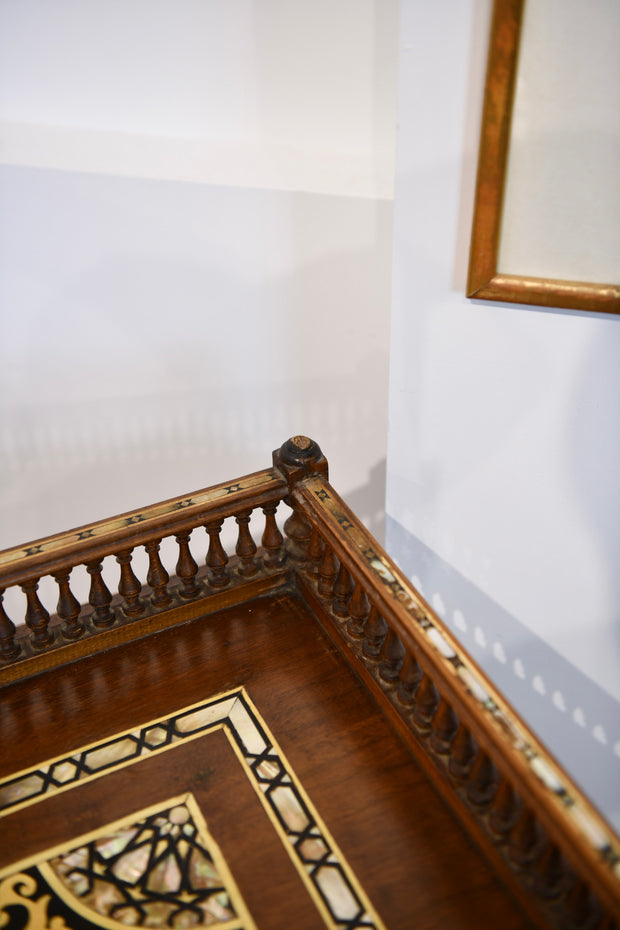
(504,447)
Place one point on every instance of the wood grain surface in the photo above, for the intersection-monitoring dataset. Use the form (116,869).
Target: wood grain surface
(409,854)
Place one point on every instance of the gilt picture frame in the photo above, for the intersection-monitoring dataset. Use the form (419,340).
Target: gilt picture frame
(487,280)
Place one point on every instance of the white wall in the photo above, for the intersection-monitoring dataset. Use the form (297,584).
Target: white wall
(260,93)
(195,247)
(504,448)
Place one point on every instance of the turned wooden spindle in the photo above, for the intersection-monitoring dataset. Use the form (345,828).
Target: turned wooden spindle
(425,704)
(409,678)
(358,612)
(443,727)
(375,632)
(186,568)
(8,647)
(342,592)
(37,617)
(315,553)
(462,753)
(99,597)
(483,780)
(580,906)
(391,657)
(157,577)
(216,556)
(298,531)
(272,539)
(328,569)
(129,587)
(69,607)
(550,873)
(246,547)
(505,808)
(524,839)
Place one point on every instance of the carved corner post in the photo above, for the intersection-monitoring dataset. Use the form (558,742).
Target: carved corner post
(298,458)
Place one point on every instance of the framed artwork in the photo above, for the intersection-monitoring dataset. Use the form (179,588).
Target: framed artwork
(546,228)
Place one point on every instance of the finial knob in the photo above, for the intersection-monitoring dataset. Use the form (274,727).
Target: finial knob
(299,450)
(300,456)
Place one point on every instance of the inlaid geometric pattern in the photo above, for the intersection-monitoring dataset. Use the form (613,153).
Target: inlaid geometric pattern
(320,864)
(160,868)
(199,499)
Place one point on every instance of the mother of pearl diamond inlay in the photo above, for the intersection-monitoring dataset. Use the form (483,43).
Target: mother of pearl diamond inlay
(320,864)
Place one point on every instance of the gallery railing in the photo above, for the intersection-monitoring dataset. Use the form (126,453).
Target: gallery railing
(41,639)
(543,836)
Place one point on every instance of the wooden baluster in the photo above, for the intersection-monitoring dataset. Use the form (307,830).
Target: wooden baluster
(186,568)
(328,569)
(374,634)
(8,647)
(272,540)
(216,557)
(426,701)
(482,780)
(579,905)
(409,677)
(358,612)
(315,552)
(550,875)
(69,607)
(462,754)
(99,597)
(246,547)
(391,657)
(342,592)
(299,532)
(524,839)
(504,810)
(37,617)
(129,587)
(443,728)
(157,577)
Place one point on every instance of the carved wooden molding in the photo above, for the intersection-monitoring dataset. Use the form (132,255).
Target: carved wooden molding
(542,834)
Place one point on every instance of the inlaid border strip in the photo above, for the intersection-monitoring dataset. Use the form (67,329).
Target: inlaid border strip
(139,518)
(317,858)
(590,825)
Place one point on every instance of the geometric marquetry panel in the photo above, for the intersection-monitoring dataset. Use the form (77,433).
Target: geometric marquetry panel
(148,868)
(158,868)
